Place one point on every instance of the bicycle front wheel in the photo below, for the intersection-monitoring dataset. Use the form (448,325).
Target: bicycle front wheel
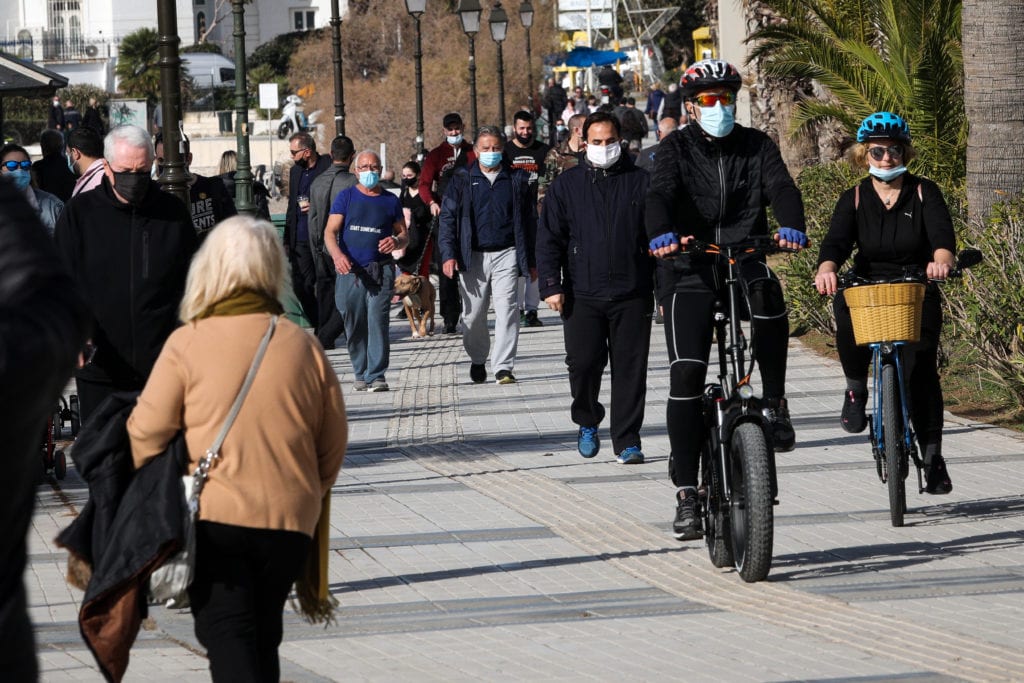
(751,516)
(892,432)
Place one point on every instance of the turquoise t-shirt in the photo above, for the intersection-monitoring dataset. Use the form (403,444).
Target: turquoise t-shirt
(368,220)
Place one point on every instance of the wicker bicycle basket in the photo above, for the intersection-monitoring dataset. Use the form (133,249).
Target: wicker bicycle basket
(885,312)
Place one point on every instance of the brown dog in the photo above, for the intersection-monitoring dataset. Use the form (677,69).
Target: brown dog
(417,294)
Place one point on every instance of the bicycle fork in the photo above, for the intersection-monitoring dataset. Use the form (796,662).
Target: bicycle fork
(890,354)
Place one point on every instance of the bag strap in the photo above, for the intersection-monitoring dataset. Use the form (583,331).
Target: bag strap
(213,452)
(856,195)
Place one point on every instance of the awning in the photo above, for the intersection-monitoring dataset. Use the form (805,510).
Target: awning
(582,57)
(25,79)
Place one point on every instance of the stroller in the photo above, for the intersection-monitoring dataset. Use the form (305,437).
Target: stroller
(67,412)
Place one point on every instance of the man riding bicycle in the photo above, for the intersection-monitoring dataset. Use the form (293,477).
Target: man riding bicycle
(712,182)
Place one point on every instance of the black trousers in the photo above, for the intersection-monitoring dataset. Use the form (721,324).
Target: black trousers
(331,326)
(450,299)
(304,280)
(688,334)
(595,331)
(242,579)
(920,369)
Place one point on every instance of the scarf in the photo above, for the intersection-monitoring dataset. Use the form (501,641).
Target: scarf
(242,302)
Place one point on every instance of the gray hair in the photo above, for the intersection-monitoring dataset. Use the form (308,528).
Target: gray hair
(365,152)
(132,136)
(491,132)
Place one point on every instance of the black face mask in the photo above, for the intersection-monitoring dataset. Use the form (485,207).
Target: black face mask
(132,185)
(524,140)
(408,182)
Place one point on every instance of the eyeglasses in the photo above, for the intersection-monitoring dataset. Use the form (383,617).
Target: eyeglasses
(15,165)
(364,167)
(708,99)
(298,151)
(878,153)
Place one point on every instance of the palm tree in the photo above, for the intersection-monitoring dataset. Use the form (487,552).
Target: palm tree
(994,94)
(871,55)
(137,70)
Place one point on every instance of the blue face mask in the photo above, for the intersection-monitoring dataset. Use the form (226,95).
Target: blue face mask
(887,174)
(454,139)
(490,159)
(717,121)
(369,179)
(21,178)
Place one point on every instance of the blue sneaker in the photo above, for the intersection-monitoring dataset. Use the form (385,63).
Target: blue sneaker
(631,456)
(587,442)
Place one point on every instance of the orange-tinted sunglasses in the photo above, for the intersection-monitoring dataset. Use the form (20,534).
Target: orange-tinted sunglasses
(710,99)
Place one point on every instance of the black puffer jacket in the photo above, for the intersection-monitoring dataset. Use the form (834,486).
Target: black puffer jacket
(718,190)
(129,264)
(591,241)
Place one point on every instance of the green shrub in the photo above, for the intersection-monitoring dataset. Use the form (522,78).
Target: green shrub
(987,307)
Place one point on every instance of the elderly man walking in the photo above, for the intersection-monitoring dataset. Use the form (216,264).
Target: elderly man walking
(366,224)
(488,228)
(128,246)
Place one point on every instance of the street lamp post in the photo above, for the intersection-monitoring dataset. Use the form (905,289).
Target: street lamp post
(469,14)
(499,27)
(416,8)
(339,83)
(174,178)
(243,174)
(526,16)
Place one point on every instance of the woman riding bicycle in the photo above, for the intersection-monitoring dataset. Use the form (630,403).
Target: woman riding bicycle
(893,219)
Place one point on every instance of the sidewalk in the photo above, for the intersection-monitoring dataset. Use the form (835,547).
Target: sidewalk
(471,542)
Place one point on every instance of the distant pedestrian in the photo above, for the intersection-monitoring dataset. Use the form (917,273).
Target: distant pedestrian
(561,158)
(308,165)
(128,246)
(43,325)
(442,161)
(488,228)
(634,125)
(417,218)
(322,193)
(645,159)
(366,225)
(554,101)
(594,269)
(226,170)
(85,149)
(209,202)
(56,117)
(72,119)
(93,119)
(654,99)
(262,501)
(52,172)
(673,103)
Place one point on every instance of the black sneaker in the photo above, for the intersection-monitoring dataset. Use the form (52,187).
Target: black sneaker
(477,373)
(450,328)
(531,319)
(783,435)
(937,480)
(687,525)
(853,419)
(504,377)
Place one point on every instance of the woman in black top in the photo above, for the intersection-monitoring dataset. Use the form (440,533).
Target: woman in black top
(417,217)
(893,219)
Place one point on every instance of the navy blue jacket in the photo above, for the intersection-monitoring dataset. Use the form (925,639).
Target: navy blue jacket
(591,240)
(458,216)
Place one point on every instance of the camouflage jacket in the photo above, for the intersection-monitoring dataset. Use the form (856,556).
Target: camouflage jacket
(558,159)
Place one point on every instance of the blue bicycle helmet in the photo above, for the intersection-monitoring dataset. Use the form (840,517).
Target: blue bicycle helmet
(883,125)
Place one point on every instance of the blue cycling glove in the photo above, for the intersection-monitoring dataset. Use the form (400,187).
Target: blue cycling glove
(666,239)
(794,236)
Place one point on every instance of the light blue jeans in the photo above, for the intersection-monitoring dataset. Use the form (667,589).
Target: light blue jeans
(365,313)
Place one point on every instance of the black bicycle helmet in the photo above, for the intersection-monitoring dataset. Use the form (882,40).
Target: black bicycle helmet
(883,125)
(709,73)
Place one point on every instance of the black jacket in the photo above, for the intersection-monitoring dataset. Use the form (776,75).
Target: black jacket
(43,323)
(718,190)
(54,176)
(323,162)
(591,241)
(130,265)
(131,524)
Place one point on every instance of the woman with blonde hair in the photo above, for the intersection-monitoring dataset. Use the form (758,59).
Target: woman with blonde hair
(226,169)
(262,500)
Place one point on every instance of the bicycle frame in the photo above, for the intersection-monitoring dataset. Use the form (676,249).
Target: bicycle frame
(891,353)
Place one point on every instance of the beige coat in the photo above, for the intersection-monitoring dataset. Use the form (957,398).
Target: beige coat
(286,446)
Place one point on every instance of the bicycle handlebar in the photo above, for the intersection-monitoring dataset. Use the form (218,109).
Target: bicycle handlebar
(758,244)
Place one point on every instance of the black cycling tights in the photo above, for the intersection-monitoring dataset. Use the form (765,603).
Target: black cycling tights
(688,333)
(920,368)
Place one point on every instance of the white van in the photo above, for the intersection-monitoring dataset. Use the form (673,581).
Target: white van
(208,69)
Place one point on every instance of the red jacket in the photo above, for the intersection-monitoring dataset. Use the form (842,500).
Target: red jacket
(438,167)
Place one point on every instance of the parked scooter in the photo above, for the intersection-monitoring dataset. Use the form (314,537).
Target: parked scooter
(293,118)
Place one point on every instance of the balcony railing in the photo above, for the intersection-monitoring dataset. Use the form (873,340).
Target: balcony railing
(53,47)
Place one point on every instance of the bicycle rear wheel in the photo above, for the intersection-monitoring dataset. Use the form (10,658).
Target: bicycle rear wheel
(751,516)
(892,432)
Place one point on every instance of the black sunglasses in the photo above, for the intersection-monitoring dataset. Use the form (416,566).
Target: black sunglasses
(15,165)
(878,153)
